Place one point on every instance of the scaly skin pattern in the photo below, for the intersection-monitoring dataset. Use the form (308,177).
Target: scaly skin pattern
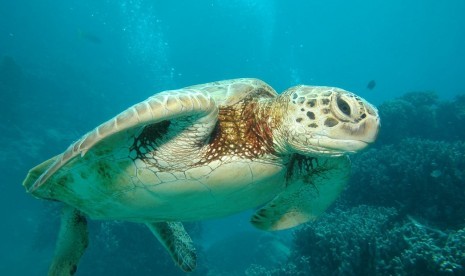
(204,151)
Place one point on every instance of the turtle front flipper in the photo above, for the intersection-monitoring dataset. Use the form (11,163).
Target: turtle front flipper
(312,185)
(177,241)
(37,171)
(71,244)
(195,104)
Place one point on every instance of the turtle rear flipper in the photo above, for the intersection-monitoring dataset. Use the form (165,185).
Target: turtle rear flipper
(175,239)
(71,244)
(313,185)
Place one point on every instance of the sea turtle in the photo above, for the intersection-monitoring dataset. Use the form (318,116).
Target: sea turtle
(207,151)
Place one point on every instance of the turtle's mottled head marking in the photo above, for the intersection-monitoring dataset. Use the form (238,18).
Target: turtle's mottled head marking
(328,121)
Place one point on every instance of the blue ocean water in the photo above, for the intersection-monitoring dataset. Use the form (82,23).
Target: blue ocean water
(66,66)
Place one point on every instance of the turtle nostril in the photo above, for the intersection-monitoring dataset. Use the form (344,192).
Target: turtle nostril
(343,106)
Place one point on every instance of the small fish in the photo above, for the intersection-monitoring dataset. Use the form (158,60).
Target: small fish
(371,84)
(89,37)
(436,173)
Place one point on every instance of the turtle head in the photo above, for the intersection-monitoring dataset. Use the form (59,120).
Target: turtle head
(326,121)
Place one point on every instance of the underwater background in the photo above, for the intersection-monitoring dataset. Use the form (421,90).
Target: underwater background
(66,66)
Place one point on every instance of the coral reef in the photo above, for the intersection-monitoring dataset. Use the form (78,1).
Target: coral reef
(367,240)
(420,177)
(451,117)
(422,115)
(416,249)
(343,242)
(412,115)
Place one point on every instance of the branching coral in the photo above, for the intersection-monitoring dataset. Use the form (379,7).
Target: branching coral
(372,241)
(343,243)
(412,115)
(422,115)
(451,118)
(416,249)
(420,177)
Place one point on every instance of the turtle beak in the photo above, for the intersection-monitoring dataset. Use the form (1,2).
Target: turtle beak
(367,131)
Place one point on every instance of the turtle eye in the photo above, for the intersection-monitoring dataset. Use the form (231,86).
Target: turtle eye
(343,106)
